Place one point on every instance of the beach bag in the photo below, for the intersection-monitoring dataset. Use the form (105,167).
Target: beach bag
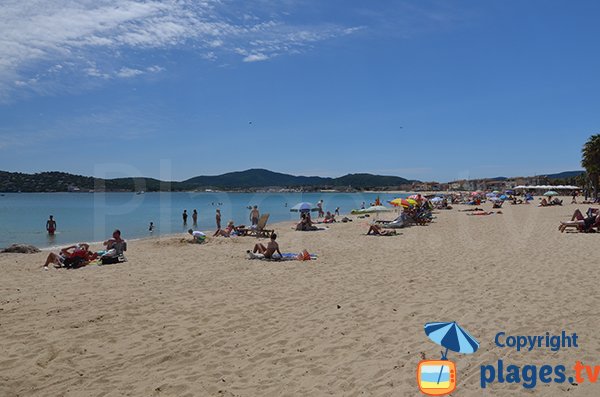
(109,260)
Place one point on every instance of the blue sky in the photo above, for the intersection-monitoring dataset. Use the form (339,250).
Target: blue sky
(432,90)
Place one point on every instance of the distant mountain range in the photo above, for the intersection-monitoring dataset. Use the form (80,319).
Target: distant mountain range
(565,175)
(242,180)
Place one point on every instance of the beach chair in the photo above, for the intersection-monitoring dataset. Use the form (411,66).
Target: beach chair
(260,229)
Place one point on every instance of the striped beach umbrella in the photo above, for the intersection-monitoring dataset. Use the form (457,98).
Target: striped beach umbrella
(452,337)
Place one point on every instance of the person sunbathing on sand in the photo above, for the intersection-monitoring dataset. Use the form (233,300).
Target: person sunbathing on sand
(376,230)
(581,222)
(329,218)
(72,256)
(268,251)
(227,232)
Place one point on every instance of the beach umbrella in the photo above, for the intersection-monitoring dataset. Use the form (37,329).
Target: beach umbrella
(550,193)
(452,337)
(412,201)
(400,202)
(376,209)
(503,197)
(490,195)
(510,192)
(303,207)
(436,199)
(496,192)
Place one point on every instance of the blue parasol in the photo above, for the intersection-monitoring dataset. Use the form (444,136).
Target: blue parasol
(452,337)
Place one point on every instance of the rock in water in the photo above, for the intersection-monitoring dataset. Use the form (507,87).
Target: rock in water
(21,249)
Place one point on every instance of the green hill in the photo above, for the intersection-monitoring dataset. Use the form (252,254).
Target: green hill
(253,178)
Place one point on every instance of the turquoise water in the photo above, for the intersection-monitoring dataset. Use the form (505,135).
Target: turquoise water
(92,217)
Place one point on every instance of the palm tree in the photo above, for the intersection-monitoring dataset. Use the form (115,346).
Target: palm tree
(591,160)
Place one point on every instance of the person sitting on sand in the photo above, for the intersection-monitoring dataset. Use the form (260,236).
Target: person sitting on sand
(329,218)
(71,257)
(306,223)
(197,236)
(376,230)
(543,203)
(227,232)
(116,243)
(268,251)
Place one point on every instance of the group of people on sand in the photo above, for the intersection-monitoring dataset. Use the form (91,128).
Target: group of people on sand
(549,202)
(79,255)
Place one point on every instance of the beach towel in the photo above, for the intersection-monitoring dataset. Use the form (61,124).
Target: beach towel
(286,256)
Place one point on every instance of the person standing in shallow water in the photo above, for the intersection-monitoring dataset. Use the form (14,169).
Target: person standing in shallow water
(254,215)
(51,225)
(184,216)
(195,217)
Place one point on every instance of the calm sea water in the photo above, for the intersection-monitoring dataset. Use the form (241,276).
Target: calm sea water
(93,216)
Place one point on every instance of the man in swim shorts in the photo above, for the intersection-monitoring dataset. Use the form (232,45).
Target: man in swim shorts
(254,215)
(51,225)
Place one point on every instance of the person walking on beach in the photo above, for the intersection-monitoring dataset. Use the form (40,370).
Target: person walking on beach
(151,227)
(218,219)
(320,208)
(195,217)
(337,211)
(184,216)
(51,225)
(254,215)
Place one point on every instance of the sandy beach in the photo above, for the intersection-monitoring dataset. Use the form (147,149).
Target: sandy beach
(182,319)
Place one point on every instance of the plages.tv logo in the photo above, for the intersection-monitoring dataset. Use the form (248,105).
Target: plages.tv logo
(438,377)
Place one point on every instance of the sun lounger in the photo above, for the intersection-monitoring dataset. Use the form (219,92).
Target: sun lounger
(260,229)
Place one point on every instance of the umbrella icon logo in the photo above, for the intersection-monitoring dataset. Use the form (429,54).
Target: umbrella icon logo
(438,377)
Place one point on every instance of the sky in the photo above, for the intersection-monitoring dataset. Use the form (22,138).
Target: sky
(423,89)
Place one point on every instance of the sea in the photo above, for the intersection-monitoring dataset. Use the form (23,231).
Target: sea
(92,217)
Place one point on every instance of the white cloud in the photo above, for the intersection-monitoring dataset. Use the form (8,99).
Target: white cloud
(128,72)
(255,58)
(98,38)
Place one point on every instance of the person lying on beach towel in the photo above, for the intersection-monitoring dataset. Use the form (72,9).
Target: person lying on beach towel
(484,213)
(72,257)
(471,209)
(286,256)
(376,230)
